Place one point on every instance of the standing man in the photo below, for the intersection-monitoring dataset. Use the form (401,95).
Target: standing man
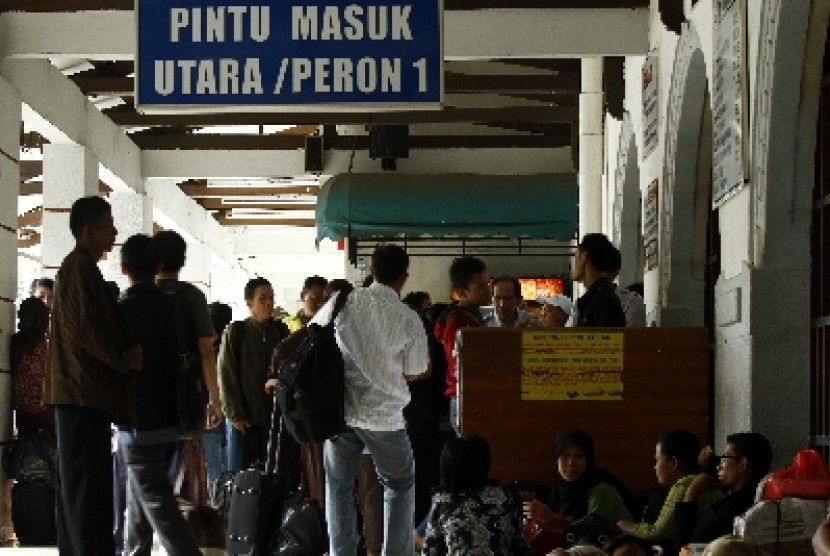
(150,445)
(507,296)
(313,295)
(384,345)
(170,248)
(468,278)
(244,361)
(599,306)
(90,383)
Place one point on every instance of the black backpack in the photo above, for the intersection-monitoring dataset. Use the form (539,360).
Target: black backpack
(191,392)
(311,384)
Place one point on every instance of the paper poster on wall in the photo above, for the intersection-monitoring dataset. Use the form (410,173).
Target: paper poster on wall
(572,365)
(728,101)
(650,135)
(651,224)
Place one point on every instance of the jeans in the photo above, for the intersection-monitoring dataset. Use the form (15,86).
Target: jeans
(151,505)
(396,470)
(245,448)
(215,457)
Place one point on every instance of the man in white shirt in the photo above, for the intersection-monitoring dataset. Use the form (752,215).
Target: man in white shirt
(384,346)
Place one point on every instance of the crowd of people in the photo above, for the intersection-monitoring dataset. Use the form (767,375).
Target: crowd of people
(87,362)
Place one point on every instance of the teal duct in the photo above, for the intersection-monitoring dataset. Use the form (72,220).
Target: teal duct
(458,205)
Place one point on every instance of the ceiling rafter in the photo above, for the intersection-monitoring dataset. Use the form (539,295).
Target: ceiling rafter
(127,116)
(187,141)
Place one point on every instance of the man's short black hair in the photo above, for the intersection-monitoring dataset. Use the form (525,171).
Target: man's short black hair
(513,281)
(87,211)
(756,448)
(170,249)
(253,284)
(41,283)
(463,269)
(600,251)
(314,281)
(221,315)
(138,255)
(415,299)
(389,263)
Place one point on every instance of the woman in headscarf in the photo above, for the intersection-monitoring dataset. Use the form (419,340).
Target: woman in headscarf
(581,488)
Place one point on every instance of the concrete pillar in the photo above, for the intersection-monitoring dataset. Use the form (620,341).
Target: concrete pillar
(133,214)
(197,266)
(10,116)
(590,147)
(69,172)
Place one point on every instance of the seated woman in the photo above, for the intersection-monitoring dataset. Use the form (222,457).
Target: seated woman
(581,488)
(676,466)
(470,514)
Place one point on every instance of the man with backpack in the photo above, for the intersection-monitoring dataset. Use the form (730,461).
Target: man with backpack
(149,446)
(170,249)
(244,362)
(384,346)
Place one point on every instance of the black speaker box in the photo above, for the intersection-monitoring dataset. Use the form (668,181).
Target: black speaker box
(389,141)
(313,153)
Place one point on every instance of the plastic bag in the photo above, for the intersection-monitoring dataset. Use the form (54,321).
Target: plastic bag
(32,457)
(808,477)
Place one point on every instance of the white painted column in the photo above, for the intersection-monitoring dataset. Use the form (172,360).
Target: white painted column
(133,214)
(10,116)
(590,147)
(197,266)
(69,173)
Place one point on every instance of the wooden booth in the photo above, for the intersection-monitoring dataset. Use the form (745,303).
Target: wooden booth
(520,387)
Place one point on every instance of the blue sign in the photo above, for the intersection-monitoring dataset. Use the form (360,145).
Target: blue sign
(202,54)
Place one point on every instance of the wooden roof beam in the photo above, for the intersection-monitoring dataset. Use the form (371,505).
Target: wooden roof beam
(127,116)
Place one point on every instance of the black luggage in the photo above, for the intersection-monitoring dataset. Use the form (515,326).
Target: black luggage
(33,513)
(256,502)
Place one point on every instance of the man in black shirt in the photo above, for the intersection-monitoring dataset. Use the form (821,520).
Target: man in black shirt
(744,463)
(599,306)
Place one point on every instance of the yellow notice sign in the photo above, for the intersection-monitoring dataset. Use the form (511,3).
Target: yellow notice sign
(572,365)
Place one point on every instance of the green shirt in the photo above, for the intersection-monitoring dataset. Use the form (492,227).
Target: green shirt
(242,375)
(663,528)
(604,501)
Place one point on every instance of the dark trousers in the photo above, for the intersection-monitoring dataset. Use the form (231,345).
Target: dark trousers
(245,448)
(422,436)
(151,505)
(84,493)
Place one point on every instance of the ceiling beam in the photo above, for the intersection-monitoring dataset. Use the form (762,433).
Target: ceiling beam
(30,219)
(35,187)
(183,164)
(29,240)
(127,116)
(222,204)
(201,190)
(187,141)
(294,222)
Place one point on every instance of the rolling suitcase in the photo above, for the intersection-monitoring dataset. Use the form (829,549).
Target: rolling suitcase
(256,501)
